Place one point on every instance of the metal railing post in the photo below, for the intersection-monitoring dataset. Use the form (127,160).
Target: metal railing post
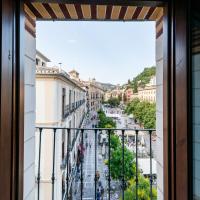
(109,155)
(82,131)
(136,151)
(123,170)
(95,163)
(53,162)
(39,159)
(67,177)
(151,180)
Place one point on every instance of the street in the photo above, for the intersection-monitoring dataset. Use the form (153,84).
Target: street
(89,167)
(89,162)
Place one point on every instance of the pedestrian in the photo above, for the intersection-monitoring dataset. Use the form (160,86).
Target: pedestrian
(102,192)
(98,195)
(100,184)
(97,176)
(86,145)
(90,144)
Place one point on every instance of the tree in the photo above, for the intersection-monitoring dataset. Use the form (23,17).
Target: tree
(143,111)
(105,121)
(116,163)
(114,142)
(116,151)
(120,97)
(114,102)
(143,189)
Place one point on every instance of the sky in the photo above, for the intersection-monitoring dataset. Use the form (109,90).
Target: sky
(110,52)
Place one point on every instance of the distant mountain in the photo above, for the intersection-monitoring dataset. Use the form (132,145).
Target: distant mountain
(107,86)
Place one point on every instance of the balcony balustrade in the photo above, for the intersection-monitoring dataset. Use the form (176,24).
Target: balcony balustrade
(80,139)
(68,109)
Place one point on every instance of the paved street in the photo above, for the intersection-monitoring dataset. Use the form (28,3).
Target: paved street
(89,167)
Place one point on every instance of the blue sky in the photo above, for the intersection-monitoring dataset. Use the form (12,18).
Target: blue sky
(108,51)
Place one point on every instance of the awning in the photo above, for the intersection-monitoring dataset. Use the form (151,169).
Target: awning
(77,11)
(61,11)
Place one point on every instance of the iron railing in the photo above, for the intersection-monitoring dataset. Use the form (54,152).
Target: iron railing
(68,109)
(81,134)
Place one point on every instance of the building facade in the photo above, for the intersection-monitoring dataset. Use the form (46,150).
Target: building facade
(60,102)
(107,95)
(41,59)
(148,93)
(94,95)
(129,94)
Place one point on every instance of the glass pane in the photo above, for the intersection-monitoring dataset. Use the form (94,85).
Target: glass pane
(195,40)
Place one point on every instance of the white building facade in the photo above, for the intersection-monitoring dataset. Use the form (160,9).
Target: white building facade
(148,93)
(60,102)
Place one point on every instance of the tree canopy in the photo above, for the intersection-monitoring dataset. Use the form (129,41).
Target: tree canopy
(143,190)
(104,121)
(143,111)
(116,151)
(114,102)
(116,162)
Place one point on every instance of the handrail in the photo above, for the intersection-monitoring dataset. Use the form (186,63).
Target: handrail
(90,129)
(96,131)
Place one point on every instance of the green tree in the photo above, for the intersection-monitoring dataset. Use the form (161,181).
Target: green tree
(143,190)
(114,142)
(114,102)
(143,111)
(105,121)
(116,160)
(116,164)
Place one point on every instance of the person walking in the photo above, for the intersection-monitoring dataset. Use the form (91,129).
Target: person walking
(97,176)
(102,192)
(98,194)
(86,144)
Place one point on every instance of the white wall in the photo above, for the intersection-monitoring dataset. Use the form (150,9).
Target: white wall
(29,117)
(48,106)
(159,115)
(49,113)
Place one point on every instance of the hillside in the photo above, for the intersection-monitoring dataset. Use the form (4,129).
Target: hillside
(107,86)
(143,78)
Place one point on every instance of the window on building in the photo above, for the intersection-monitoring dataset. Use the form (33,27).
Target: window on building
(43,64)
(37,61)
(63,102)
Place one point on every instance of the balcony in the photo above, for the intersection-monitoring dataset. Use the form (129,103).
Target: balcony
(68,109)
(85,167)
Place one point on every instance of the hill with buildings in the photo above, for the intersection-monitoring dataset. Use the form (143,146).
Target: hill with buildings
(107,86)
(141,80)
